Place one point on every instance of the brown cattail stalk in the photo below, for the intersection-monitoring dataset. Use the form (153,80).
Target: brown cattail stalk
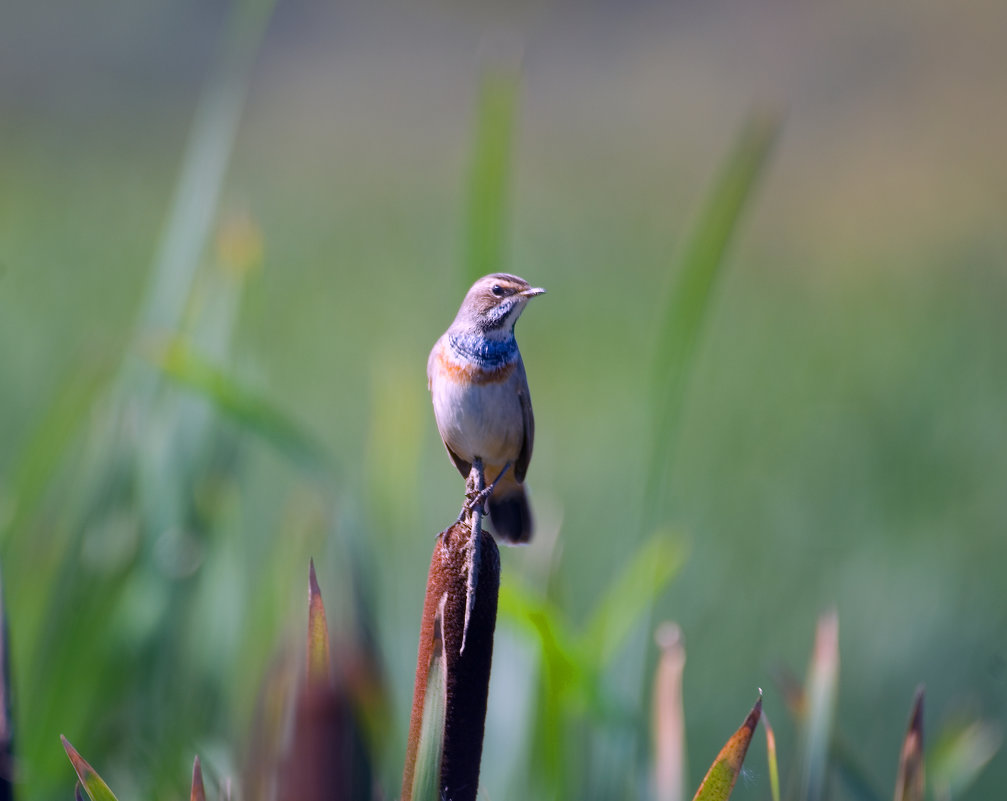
(463,581)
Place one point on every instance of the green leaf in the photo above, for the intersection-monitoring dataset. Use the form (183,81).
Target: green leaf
(698,266)
(96,789)
(427,773)
(631,595)
(490,174)
(179,362)
(723,773)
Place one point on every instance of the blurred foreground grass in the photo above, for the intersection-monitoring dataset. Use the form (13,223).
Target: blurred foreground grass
(843,441)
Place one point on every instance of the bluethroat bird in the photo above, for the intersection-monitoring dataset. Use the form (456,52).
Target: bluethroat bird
(481,400)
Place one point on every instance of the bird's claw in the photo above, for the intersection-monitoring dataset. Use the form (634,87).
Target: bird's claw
(475,499)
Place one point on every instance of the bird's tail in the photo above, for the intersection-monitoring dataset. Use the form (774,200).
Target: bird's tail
(511,514)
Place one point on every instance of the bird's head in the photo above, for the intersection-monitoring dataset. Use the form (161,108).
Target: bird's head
(494,303)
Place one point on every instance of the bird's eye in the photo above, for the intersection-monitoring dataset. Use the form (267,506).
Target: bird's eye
(498,290)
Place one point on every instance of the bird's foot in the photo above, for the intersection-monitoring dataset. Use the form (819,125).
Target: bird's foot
(474,499)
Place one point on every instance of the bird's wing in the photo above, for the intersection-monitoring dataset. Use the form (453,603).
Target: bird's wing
(463,467)
(528,418)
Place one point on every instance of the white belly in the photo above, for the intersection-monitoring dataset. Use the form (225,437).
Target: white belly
(480,420)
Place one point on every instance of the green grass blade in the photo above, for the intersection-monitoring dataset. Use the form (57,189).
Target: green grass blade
(489,176)
(566,681)
(631,595)
(547,626)
(823,676)
(774,766)
(723,773)
(47,445)
(92,783)
(960,756)
(179,362)
(669,716)
(698,267)
(841,756)
(910,782)
(6,721)
(848,768)
(205,162)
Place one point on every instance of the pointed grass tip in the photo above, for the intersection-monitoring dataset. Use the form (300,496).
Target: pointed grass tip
(198,792)
(753,717)
(318,632)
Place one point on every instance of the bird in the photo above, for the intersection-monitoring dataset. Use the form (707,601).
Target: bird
(481,402)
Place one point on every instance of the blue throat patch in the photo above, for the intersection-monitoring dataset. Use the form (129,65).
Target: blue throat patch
(487,353)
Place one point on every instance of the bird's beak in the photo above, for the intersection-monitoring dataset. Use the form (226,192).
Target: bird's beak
(530,293)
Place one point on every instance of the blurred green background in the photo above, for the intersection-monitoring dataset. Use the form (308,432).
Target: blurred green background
(844,434)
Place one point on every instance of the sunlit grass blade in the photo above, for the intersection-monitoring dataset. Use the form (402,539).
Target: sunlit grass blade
(6,720)
(93,784)
(698,266)
(561,655)
(566,680)
(631,595)
(774,766)
(204,165)
(669,716)
(841,757)
(820,687)
(910,781)
(179,362)
(490,173)
(960,756)
(570,675)
(426,778)
(319,670)
(47,445)
(139,480)
(198,792)
(723,773)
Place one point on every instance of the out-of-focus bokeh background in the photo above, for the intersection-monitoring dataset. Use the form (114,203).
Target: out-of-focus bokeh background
(844,437)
